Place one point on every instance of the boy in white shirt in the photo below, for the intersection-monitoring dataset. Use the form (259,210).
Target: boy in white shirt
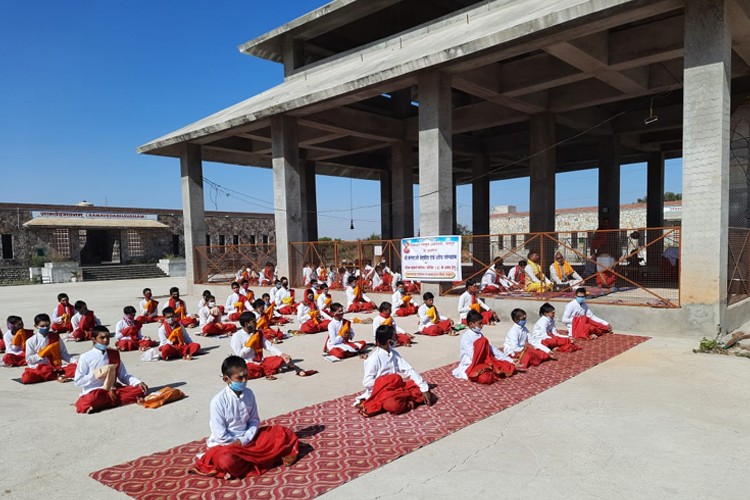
(581,322)
(545,336)
(385,389)
(403,302)
(356,300)
(174,341)
(385,318)
(310,317)
(469,301)
(128,333)
(15,339)
(479,361)
(431,322)
(340,343)
(97,373)
(517,343)
(238,446)
(210,317)
(83,322)
(149,308)
(47,357)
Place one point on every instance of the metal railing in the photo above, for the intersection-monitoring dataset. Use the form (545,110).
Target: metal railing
(220,263)
(738,275)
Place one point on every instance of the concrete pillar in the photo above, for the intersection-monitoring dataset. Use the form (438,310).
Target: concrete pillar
(454,212)
(386,205)
(609,180)
(193,210)
(435,158)
(402,188)
(310,200)
(542,173)
(655,208)
(288,179)
(480,207)
(292,54)
(705,170)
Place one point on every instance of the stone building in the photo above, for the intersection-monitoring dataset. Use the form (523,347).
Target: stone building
(89,235)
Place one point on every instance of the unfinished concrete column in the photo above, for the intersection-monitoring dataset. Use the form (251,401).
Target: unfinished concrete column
(480,206)
(402,187)
(655,208)
(310,200)
(288,179)
(193,210)
(435,158)
(386,205)
(292,54)
(609,180)
(542,182)
(705,169)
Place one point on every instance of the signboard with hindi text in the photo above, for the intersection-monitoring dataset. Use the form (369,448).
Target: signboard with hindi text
(436,258)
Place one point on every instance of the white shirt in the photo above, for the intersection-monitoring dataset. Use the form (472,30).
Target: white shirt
(237,344)
(543,329)
(205,317)
(379,320)
(163,340)
(231,301)
(322,302)
(466,354)
(559,279)
(574,309)
(142,309)
(381,362)
(334,340)
(122,324)
(424,320)
(76,320)
(531,277)
(233,418)
(89,362)
(464,304)
(38,342)
(9,347)
(303,313)
(516,339)
(513,275)
(58,319)
(307,275)
(489,278)
(397,299)
(281,294)
(350,296)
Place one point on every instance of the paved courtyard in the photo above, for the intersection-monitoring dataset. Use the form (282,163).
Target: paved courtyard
(656,421)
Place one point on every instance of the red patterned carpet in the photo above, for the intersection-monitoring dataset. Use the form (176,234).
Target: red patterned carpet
(330,461)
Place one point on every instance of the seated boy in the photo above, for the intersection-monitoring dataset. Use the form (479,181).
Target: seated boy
(581,322)
(402,301)
(249,343)
(356,300)
(238,447)
(384,318)
(83,322)
(180,309)
(284,298)
(149,308)
(98,373)
(324,299)
(264,318)
(46,356)
(62,315)
(431,322)
(545,336)
(275,317)
(517,342)
(15,342)
(174,341)
(246,291)
(128,333)
(236,303)
(210,319)
(479,361)
(468,301)
(204,299)
(311,319)
(385,389)
(340,334)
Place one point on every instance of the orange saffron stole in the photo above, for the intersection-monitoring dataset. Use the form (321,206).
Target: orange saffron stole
(255,342)
(432,313)
(174,334)
(345,330)
(20,338)
(563,271)
(52,353)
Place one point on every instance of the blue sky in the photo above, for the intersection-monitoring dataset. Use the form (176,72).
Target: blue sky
(85,83)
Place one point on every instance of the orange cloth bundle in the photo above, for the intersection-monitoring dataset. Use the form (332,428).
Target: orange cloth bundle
(175,335)
(345,330)
(52,353)
(432,313)
(162,397)
(20,338)
(255,342)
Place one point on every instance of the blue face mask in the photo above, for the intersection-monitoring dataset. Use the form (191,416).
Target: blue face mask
(278,285)
(477,329)
(581,300)
(522,323)
(44,331)
(101,347)
(238,386)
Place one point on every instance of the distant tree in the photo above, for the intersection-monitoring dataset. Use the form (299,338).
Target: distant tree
(668,196)
(325,238)
(463,230)
(373,236)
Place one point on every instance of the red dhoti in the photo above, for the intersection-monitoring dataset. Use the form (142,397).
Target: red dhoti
(605,279)
(14,359)
(392,394)
(235,316)
(189,322)
(149,319)
(61,327)
(80,334)
(272,334)
(99,399)
(491,289)
(290,309)
(272,446)
(402,339)
(169,351)
(46,373)
(340,353)
(361,306)
(278,320)
(439,328)
(311,326)
(584,327)
(406,310)
(135,344)
(485,368)
(531,356)
(561,343)
(268,366)
(219,329)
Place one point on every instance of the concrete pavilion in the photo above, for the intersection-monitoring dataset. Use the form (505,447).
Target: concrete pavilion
(447,92)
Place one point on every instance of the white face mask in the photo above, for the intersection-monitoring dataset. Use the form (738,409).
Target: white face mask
(212,304)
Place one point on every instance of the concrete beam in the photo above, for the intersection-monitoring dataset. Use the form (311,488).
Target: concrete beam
(739,21)
(472,117)
(357,123)
(484,83)
(193,210)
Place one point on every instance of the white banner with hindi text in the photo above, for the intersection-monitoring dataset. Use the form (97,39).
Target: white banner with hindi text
(436,258)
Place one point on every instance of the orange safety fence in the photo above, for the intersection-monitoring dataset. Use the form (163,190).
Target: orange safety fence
(225,263)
